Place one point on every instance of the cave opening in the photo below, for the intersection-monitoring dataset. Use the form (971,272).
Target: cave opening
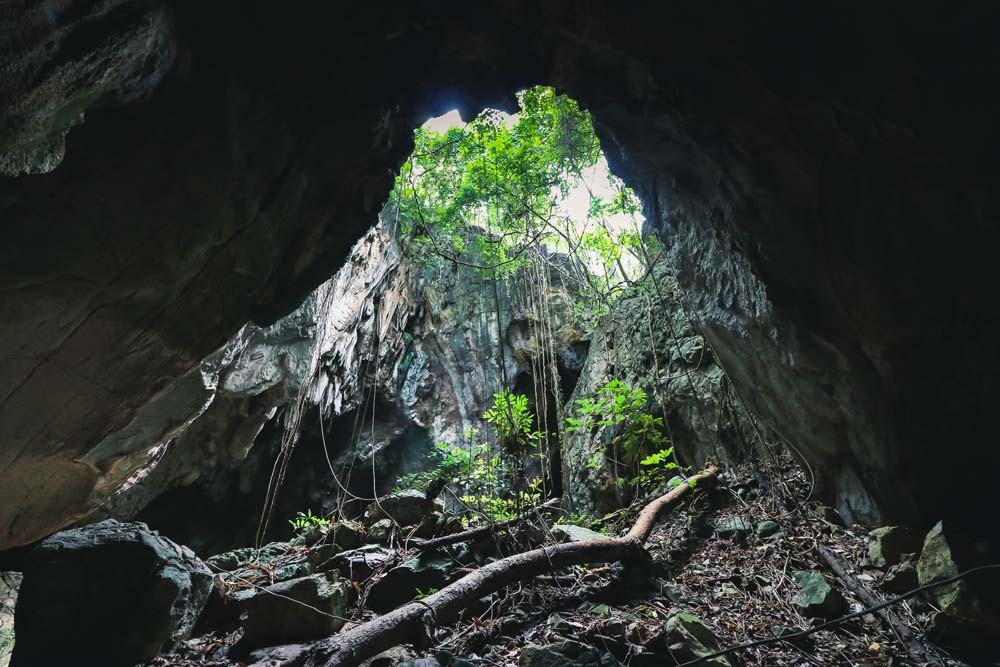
(821,174)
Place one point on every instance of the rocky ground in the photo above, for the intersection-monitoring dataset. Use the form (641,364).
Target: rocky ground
(738,563)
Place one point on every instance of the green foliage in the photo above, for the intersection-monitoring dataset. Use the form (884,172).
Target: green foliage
(636,435)
(452,462)
(488,193)
(512,418)
(307,520)
(621,408)
(655,468)
(421,594)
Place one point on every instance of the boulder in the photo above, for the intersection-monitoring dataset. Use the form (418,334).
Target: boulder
(816,597)
(380,531)
(886,545)
(420,574)
(565,532)
(359,564)
(564,653)
(295,611)
(689,638)
(969,603)
(109,593)
(404,507)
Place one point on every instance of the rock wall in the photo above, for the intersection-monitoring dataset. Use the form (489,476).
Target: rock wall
(389,356)
(10,582)
(822,174)
(648,342)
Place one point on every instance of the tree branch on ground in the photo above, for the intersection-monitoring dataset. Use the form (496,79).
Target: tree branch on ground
(411,623)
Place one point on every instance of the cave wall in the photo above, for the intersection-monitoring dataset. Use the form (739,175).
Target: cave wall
(822,174)
(395,352)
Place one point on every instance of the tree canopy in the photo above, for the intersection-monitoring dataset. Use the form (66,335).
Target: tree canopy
(493,193)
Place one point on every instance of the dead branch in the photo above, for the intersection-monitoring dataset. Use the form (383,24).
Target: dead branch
(917,651)
(476,533)
(789,639)
(409,623)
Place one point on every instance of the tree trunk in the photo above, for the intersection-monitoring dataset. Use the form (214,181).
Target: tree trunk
(408,623)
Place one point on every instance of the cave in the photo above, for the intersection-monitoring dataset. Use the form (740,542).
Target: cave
(823,177)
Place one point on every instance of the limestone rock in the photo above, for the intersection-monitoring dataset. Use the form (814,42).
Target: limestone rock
(113,594)
(276,615)
(946,552)
(768,528)
(359,564)
(816,597)
(684,378)
(733,528)
(886,545)
(10,582)
(689,638)
(405,507)
(570,533)
(564,653)
(379,531)
(408,579)
(901,577)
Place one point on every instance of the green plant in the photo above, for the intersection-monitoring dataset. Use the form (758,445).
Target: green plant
(421,594)
(304,521)
(655,468)
(636,435)
(512,418)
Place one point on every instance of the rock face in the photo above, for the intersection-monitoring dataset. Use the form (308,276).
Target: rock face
(108,593)
(423,339)
(970,606)
(277,615)
(648,342)
(10,582)
(818,173)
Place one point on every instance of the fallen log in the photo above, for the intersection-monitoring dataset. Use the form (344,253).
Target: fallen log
(483,531)
(410,623)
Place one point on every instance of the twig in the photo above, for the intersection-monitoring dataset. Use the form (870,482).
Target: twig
(474,533)
(906,638)
(837,621)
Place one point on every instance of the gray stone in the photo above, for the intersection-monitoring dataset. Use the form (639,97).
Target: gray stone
(742,223)
(564,653)
(816,597)
(405,507)
(359,564)
(901,578)
(108,593)
(346,535)
(690,638)
(379,531)
(946,552)
(404,582)
(10,582)
(768,528)
(565,532)
(733,528)
(286,613)
(886,545)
